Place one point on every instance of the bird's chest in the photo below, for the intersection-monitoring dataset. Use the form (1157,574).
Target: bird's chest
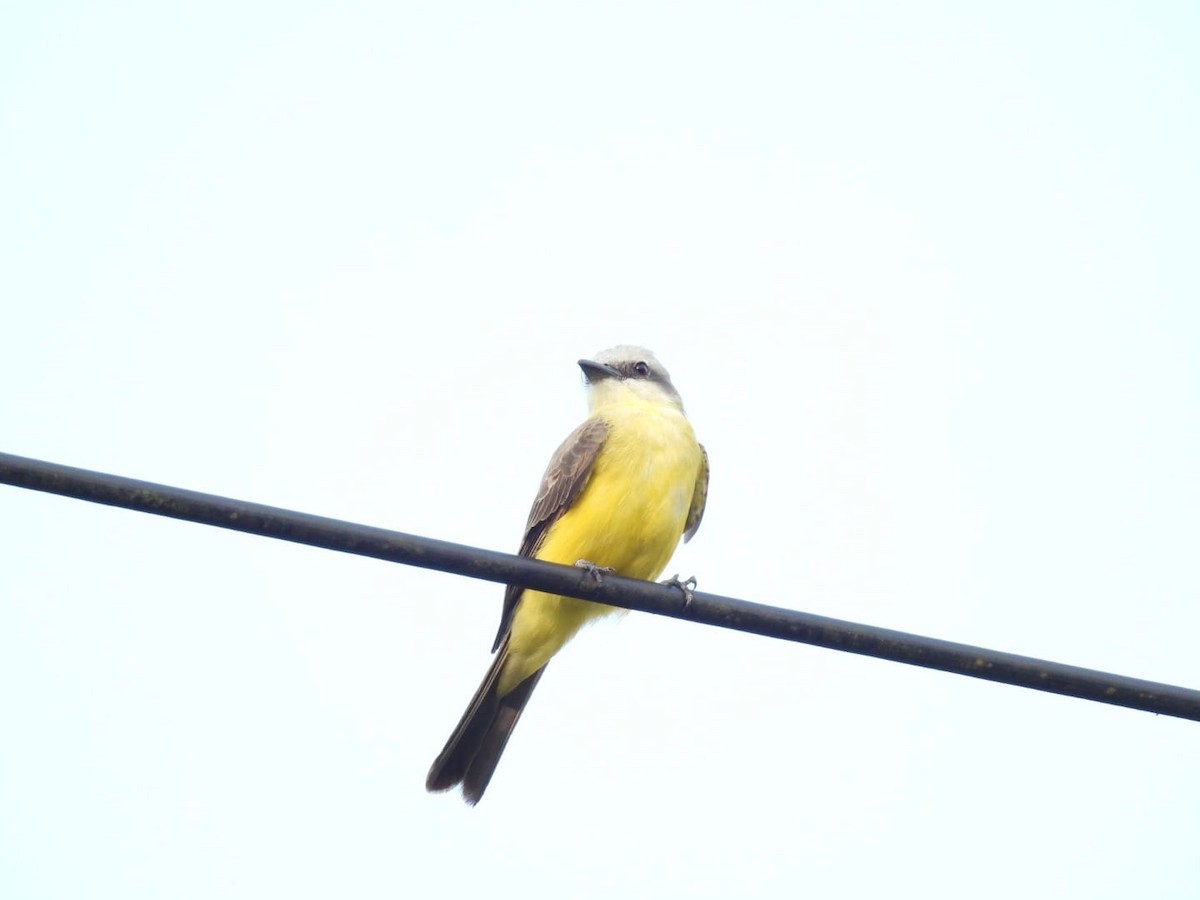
(637,498)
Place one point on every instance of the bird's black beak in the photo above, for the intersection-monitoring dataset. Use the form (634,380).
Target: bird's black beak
(594,371)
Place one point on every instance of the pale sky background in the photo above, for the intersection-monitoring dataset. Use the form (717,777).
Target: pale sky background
(926,277)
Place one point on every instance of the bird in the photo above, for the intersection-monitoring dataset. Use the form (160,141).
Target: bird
(618,495)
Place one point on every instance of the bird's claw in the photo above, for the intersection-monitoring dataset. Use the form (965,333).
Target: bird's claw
(687,586)
(597,572)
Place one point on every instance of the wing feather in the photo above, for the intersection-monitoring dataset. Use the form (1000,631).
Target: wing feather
(565,478)
(699,498)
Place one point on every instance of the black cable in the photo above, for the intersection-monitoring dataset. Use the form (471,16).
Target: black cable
(727,612)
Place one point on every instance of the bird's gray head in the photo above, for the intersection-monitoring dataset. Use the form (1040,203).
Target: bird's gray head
(626,368)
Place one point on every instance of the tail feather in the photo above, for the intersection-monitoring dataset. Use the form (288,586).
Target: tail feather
(474,748)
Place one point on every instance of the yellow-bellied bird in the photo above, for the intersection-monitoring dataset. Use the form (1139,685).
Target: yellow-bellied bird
(619,493)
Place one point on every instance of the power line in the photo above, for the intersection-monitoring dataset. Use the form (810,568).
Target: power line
(710,609)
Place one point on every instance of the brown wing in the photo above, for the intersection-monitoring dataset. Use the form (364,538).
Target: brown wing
(565,477)
(699,497)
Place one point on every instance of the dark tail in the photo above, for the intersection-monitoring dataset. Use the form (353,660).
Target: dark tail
(470,756)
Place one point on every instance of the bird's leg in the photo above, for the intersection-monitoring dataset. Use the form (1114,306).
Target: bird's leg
(594,570)
(688,586)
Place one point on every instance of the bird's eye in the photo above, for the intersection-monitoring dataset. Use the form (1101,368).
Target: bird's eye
(641,369)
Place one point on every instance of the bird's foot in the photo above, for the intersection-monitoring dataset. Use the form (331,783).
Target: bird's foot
(597,572)
(687,586)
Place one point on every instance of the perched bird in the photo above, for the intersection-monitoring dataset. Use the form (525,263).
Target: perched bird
(618,494)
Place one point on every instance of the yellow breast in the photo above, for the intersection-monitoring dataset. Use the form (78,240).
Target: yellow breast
(630,517)
(631,514)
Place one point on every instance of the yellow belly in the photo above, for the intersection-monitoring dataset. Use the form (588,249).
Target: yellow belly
(629,517)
